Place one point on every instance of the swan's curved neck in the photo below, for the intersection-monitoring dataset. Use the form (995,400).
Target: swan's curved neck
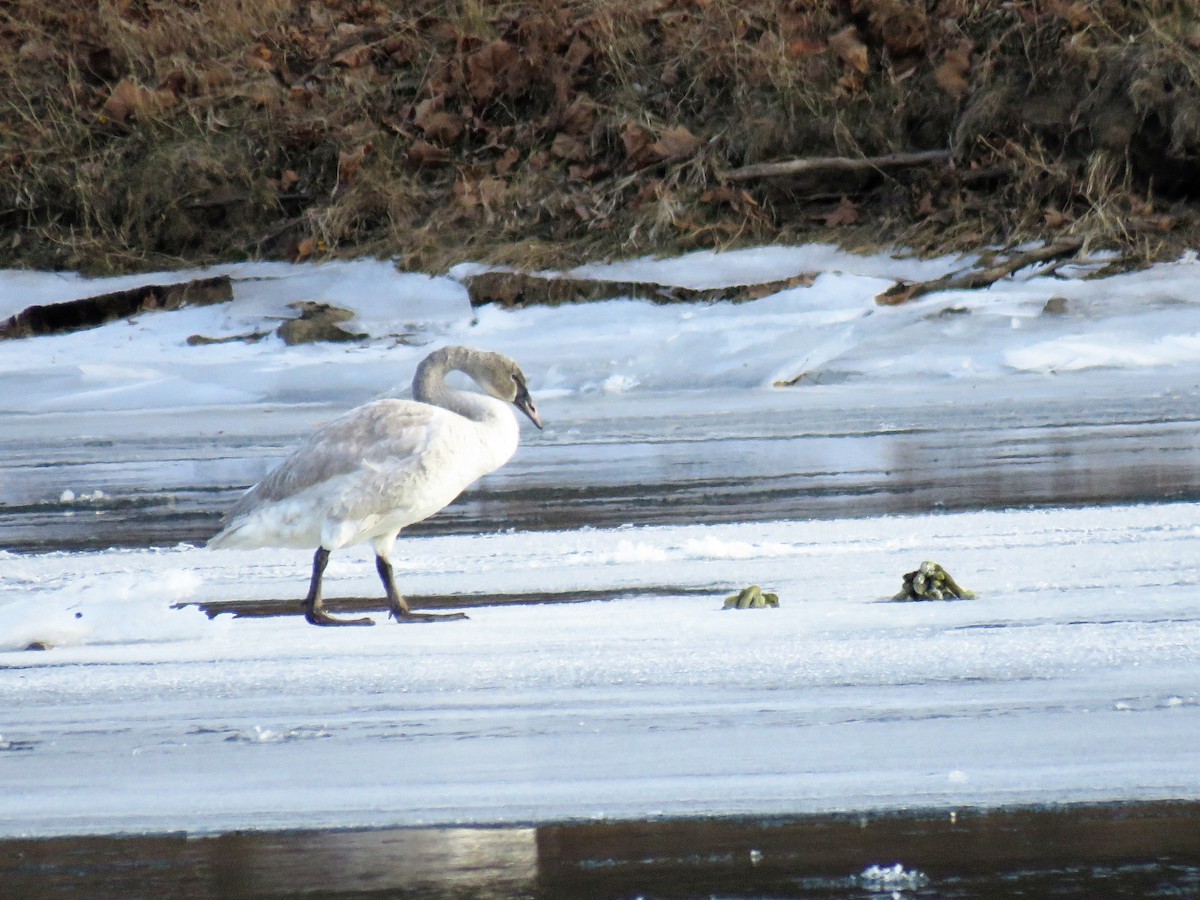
(429,385)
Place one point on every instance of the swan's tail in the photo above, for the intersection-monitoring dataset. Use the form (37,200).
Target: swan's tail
(261,529)
(240,532)
(225,538)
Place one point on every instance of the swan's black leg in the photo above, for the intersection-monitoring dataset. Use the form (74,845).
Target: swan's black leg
(314,609)
(399,606)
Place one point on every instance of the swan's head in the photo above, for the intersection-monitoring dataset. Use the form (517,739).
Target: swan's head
(502,378)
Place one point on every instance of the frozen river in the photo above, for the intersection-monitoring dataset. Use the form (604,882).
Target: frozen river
(598,682)
(144,717)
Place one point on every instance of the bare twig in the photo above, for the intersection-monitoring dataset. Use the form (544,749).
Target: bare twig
(833,164)
(978,278)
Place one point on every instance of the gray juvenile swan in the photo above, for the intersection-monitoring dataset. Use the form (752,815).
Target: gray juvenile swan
(383,466)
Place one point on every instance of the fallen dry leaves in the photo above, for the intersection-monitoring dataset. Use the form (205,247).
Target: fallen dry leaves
(516,124)
(130,100)
(846,213)
(952,73)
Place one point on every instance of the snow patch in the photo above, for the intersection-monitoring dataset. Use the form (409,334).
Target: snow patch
(712,547)
(1106,350)
(894,878)
(638,552)
(121,608)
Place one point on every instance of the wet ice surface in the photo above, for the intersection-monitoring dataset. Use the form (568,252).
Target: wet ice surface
(1071,678)
(915,433)
(135,478)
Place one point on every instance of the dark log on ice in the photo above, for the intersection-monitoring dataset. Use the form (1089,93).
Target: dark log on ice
(91,312)
(514,290)
(973,279)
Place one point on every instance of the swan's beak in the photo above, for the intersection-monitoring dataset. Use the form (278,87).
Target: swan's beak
(524,403)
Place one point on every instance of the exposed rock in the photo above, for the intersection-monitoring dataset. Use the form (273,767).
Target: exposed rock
(1056,306)
(317,322)
(752,597)
(931,582)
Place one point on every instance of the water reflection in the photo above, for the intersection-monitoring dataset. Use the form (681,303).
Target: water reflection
(475,862)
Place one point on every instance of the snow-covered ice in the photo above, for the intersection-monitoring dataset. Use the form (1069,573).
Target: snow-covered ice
(831,332)
(1072,677)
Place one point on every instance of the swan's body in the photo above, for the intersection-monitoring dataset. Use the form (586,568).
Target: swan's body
(383,466)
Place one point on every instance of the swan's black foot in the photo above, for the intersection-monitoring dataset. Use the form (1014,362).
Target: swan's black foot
(404,617)
(314,603)
(320,617)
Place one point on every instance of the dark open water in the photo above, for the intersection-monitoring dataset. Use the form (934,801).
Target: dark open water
(1150,850)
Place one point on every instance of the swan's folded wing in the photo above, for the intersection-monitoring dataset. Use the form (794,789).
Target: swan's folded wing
(386,431)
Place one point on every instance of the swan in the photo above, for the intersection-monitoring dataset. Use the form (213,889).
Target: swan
(383,466)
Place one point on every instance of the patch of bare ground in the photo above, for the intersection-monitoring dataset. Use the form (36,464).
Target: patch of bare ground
(138,134)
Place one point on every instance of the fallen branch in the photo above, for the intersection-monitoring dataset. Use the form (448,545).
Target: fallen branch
(833,164)
(904,291)
(514,290)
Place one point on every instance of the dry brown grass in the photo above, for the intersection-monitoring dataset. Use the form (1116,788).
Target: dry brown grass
(146,133)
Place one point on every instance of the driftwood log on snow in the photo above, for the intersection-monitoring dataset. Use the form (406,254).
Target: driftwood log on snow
(974,279)
(90,312)
(514,290)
